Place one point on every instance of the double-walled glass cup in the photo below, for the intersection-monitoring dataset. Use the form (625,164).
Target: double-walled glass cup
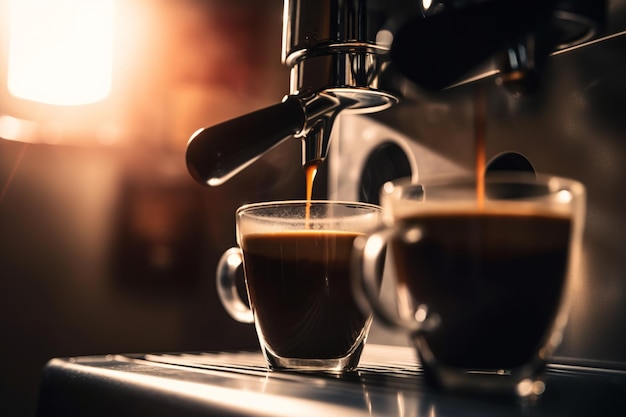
(296,259)
(483,275)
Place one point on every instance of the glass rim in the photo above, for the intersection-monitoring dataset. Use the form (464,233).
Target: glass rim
(295,203)
(444,180)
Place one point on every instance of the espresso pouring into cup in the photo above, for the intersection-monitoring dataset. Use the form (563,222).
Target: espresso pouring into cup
(482,290)
(296,261)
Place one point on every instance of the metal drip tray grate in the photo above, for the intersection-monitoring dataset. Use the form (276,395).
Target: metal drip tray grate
(383,366)
(389,382)
(376,359)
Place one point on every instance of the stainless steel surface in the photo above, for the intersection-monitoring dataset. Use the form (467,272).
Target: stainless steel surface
(341,48)
(389,382)
(335,60)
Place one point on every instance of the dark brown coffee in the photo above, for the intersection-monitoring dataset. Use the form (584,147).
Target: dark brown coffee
(299,288)
(495,279)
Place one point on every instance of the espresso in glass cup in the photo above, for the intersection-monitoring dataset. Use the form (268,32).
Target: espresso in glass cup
(296,258)
(482,281)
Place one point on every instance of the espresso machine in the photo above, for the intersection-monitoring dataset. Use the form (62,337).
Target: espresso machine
(385,90)
(356,57)
(381,90)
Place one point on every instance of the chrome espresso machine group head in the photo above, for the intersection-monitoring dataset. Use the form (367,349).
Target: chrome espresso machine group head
(349,55)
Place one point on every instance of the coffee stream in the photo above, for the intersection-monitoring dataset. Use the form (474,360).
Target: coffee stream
(310,171)
(480,131)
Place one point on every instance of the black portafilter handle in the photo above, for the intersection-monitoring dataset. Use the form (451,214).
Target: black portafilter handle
(216,153)
(437,51)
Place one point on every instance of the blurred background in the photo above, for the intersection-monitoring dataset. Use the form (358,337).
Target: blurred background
(107,245)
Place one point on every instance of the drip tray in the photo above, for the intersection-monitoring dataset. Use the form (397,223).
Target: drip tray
(389,382)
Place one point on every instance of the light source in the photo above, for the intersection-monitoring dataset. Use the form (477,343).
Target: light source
(56,71)
(61,51)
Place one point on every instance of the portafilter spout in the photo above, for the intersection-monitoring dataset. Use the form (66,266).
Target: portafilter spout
(337,52)
(217,153)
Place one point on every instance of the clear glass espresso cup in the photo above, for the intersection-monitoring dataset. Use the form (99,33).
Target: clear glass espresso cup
(296,258)
(483,275)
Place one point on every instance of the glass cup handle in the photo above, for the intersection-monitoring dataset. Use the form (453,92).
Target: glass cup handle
(367,279)
(226,280)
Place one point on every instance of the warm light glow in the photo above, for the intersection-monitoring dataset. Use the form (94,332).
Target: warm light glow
(234,260)
(564,196)
(60,51)
(527,387)
(12,128)
(421,313)
(412,235)
(388,187)
(384,38)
